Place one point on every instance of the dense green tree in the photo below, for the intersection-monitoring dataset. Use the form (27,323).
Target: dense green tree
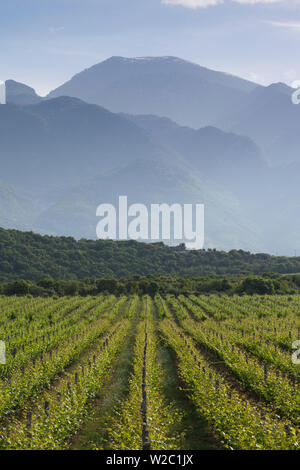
(45,259)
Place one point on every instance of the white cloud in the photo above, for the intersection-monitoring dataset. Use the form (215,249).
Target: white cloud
(193,3)
(210,3)
(283,24)
(253,2)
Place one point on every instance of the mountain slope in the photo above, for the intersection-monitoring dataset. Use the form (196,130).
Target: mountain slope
(165,86)
(17,210)
(154,181)
(71,156)
(61,142)
(18,93)
(269,117)
(228,159)
(194,96)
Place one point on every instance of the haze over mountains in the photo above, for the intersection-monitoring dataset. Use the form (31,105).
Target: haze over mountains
(158,130)
(21,94)
(72,156)
(193,96)
(64,141)
(165,86)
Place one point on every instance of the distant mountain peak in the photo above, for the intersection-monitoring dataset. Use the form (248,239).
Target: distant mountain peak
(146,59)
(18,87)
(19,93)
(64,100)
(280,87)
(272,89)
(169,86)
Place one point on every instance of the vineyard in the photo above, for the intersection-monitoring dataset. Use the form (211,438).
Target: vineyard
(128,373)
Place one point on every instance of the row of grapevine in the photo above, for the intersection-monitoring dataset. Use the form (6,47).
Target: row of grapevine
(239,423)
(59,415)
(146,419)
(229,360)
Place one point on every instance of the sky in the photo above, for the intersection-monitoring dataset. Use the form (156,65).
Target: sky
(43,43)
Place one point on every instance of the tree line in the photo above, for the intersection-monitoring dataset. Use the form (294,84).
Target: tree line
(151,285)
(32,257)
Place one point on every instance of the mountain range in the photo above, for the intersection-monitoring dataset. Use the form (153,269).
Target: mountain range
(193,96)
(164,86)
(159,130)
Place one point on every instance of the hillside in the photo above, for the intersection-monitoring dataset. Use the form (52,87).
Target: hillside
(72,156)
(34,257)
(62,141)
(17,209)
(194,96)
(150,182)
(166,86)
(269,117)
(229,159)
(19,93)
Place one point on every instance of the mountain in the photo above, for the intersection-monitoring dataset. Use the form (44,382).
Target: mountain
(229,159)
(61,142)
(154,181)
(17,209)
(165,86)
(269,117)
(69,156)
(18,93)
(194,96)
(269,195)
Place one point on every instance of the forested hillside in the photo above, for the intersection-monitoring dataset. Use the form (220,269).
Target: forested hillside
(25,255)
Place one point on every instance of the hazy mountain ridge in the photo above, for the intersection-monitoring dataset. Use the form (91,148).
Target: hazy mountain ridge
(18,93)
(66,142)
(194,96)
(62,142)
(65,146)
(165,86)
(269,117)
(17,209)
(154,181)
(226,158)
